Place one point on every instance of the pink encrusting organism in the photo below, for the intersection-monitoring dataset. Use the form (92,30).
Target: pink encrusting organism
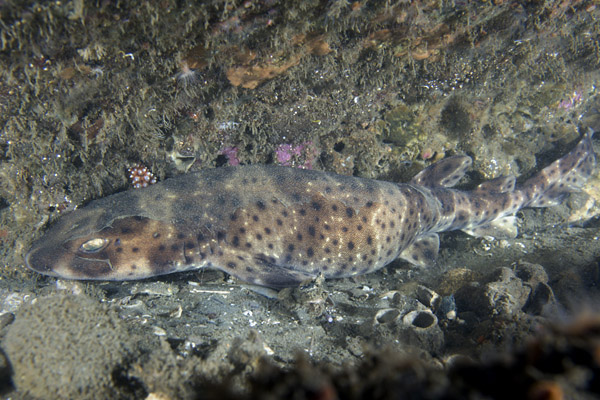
(571,101)
(301,155)
(232,155)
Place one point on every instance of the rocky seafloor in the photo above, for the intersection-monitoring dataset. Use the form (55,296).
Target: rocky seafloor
(375,89)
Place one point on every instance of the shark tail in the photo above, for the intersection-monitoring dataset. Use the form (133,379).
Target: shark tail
(565,175)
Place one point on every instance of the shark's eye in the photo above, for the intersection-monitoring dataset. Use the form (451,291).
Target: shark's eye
(94,245)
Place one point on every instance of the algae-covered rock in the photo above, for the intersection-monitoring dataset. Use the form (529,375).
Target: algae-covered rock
(67,347)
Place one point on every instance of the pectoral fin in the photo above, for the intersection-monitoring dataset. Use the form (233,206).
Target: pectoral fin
(423,251)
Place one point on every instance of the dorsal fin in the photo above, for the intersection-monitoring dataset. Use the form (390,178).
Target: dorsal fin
(502,184)
(444,173)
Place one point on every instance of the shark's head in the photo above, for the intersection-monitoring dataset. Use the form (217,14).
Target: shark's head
(84,246)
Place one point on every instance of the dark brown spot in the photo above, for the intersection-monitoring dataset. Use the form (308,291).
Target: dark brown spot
(160,248)
(180,236)
(311,231)
(310,252)
(235,241)
(349,212)
(233,217)
(260,205)
(190,245)
(279,222)
(120,249)
(268,231)
(369,204)
(299,237)
(316,206)
(302,211)
(259,236)
(255,218)
(334,207)
(350,245)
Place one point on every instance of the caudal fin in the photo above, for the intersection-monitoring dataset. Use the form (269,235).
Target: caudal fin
(565,175)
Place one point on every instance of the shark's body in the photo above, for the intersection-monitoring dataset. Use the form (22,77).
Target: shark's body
(278,226)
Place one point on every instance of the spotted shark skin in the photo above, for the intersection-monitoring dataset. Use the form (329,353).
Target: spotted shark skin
(279,226)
